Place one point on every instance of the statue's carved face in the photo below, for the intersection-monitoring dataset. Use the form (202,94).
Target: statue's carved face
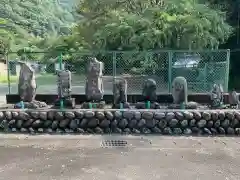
(215,87)
(178,86)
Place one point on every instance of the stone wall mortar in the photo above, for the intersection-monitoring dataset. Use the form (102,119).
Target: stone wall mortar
(213,122)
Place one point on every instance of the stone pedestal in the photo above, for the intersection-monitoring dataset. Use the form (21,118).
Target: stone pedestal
(188,105)
(67,103)
(142,105)
(98,105)
(31,105)
(126,105)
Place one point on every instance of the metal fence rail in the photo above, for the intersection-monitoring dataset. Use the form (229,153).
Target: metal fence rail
(200,68)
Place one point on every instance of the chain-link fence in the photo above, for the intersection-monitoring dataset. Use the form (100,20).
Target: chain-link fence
(234,73)
(200,68)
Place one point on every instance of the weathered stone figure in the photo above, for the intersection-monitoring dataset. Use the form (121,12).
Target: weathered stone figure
(179,90)
(27,88)
(216,96)
(64,83)
(64,89)
(233,98)
(120,93)
(94,83)
(27,83)
(149,95)
(149,90)
(180,95)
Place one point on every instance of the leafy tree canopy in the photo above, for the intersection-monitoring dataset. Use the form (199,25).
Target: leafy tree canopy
(152,24)
(33,20)
(38,25)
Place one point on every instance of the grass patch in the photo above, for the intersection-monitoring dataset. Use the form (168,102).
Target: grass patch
(51,79)
(44,79)
(4,79)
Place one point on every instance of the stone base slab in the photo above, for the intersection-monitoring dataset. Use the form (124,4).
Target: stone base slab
(100,121)
(98,105)
(67,103)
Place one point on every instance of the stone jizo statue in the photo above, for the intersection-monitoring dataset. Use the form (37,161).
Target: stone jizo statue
(64,83)
(180,95)
(216,96)
(149,90)
(233,98)
(64,90)
(27,83)
(94,83)
(179,90)
(27,89)
(120,91)
(149,95)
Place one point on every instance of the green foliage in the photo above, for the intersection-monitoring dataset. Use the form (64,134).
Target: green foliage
(32,21)
(146,25)
(5,36)
(38,25)
(150,25)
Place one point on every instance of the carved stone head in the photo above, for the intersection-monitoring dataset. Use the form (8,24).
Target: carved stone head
(179,90)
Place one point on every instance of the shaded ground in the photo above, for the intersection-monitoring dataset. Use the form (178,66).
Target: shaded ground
(83,157)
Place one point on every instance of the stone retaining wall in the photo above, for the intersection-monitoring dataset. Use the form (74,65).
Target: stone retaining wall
(172,122)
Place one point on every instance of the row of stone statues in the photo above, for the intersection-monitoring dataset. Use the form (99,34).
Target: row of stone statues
(94,91)
(217,98)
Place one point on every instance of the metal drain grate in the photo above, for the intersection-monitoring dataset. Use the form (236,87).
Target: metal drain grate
(114,143)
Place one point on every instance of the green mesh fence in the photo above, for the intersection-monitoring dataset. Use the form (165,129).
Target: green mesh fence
(200,68)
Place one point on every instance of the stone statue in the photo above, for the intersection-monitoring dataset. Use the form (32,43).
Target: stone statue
(120,93)
(180,95)
(233,99)
(64,83)
(149,90)
(179,90)
(216,96)
(64,89)
(27,88)
(27,83)
(149,95)
(94,84)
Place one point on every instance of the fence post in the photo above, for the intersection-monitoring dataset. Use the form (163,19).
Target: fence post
(227,70)
(114,67)
(8,74)
(170,56)
(60,62)
(60,68)
(205,77)
(114,58)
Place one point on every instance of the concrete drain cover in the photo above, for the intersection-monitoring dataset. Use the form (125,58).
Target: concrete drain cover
(114,143)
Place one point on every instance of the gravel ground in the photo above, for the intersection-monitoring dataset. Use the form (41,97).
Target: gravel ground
(83,157)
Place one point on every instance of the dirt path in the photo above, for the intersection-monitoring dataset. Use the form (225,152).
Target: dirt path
(82,157)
